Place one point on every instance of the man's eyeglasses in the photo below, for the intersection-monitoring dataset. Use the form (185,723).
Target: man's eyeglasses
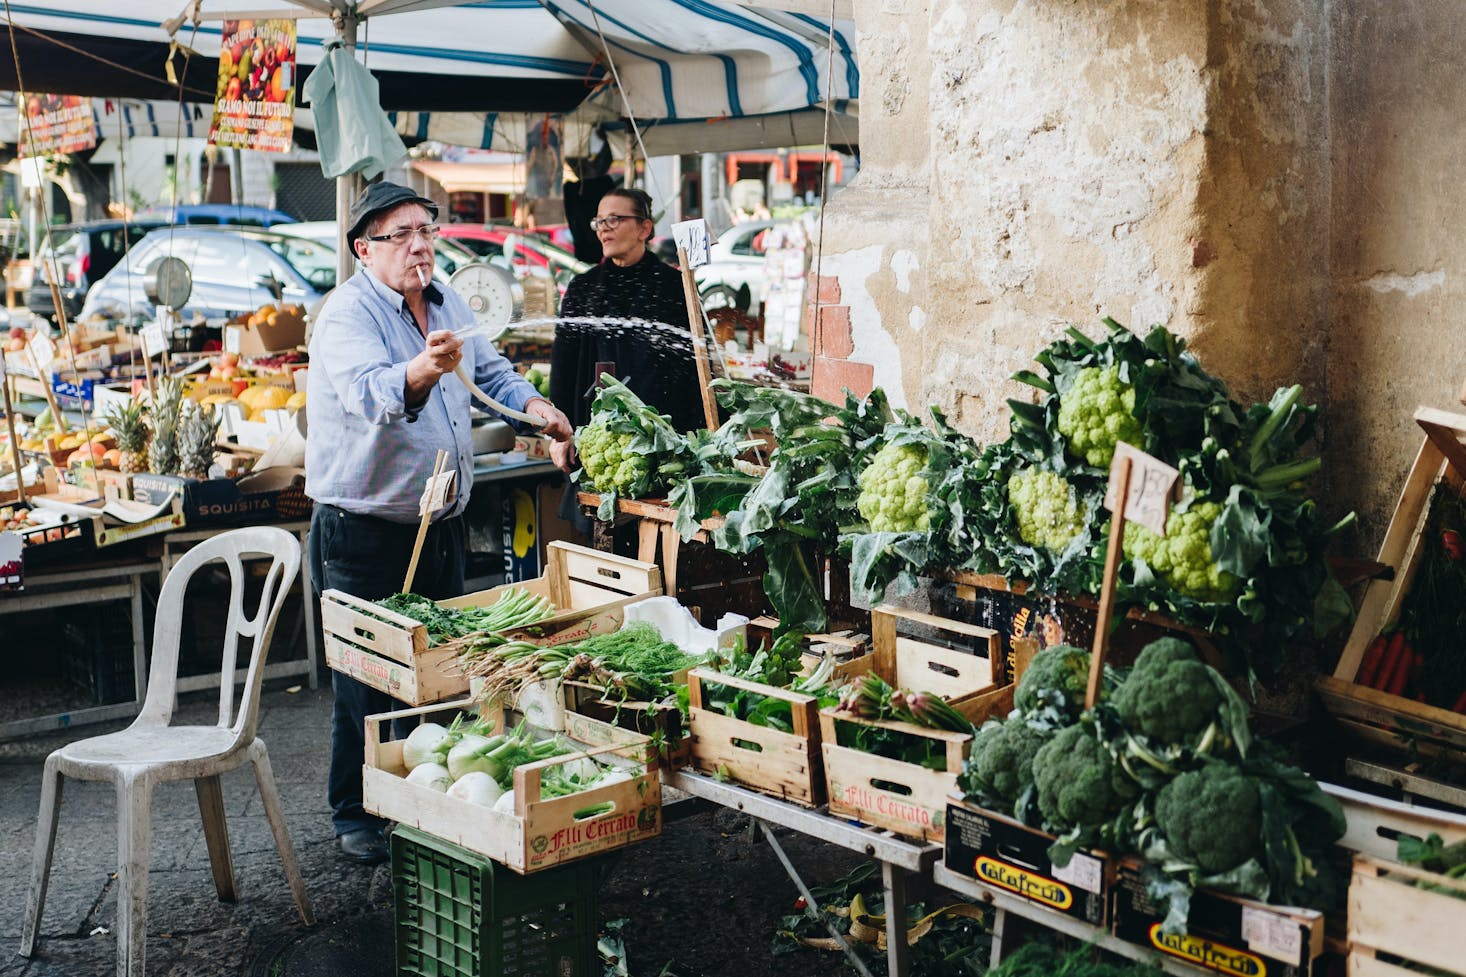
(612,221)
(402,236)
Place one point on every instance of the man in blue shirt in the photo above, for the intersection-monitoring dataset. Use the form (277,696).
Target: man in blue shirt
(378,416)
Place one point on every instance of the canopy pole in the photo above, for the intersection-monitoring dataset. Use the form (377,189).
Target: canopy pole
(345,183)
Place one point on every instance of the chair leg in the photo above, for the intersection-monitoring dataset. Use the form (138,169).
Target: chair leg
(270,797)
(134,831)
(51,787)
(216,835)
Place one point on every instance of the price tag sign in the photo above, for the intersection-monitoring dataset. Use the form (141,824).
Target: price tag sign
(439,493)
(1154,486)
(231,339)
(153,340)
(43,350)
(692,237)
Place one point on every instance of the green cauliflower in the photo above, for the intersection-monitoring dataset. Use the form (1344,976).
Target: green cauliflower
(1058,676)
(608,465)
(1211,817)
(1169,695)
(1079,783)
(1182,559)
(1097,411)
(1001,762)
(893,495)
(1048,511)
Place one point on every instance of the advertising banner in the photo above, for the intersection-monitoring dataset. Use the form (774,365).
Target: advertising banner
(254,104)
(57,124)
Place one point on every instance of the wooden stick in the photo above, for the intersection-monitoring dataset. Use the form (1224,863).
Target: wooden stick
(422,527)
(1107,587)
(699,340)
(14,441)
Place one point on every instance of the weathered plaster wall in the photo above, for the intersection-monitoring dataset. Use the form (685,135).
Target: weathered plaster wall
(1398,260)
(1070,159)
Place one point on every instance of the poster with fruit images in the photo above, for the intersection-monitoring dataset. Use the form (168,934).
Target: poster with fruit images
(254,104)
(57,124)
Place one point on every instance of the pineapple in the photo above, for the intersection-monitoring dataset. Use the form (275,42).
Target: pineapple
(129,425)
(196,434)
(166,417)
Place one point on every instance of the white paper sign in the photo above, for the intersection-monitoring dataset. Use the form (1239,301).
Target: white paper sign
(692,237)
(43,350)
(231,338)
(1272,934)
(1153,487)
(1083,872)
(439,493)
(153,339)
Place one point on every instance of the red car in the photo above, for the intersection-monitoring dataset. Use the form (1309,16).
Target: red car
(530,251)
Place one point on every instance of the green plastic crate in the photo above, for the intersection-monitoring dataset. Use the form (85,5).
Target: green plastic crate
(460,914)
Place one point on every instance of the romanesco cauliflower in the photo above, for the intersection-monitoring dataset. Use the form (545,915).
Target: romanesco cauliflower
(1183,557)
(1097,411)
(1049,514)
(607,464)
(893,495)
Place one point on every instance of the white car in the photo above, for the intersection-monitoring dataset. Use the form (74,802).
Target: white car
(736,261)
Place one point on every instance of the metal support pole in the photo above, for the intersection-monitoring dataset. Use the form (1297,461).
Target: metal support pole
(896,948)
(811,907)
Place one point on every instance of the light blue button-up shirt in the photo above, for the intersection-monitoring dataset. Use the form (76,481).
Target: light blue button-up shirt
(366,452)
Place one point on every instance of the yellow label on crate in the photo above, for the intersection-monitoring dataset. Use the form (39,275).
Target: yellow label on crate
(1205,953)
(1027,884)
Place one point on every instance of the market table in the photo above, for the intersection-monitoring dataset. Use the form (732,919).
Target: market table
(897,855)
(87,586)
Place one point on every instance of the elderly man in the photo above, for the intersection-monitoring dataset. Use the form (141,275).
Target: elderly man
(378,415)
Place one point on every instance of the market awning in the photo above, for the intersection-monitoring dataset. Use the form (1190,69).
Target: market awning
(678,61)
(474,177)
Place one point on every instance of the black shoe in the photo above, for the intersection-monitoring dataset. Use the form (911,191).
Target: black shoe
(365,845)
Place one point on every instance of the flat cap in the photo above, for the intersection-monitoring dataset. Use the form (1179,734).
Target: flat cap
(378,198)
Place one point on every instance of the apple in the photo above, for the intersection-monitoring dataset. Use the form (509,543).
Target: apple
(228,359)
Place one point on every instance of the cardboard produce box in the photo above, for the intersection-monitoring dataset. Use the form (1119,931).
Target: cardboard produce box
(1223,933)
(1000,852)
(257,337)
(271,495)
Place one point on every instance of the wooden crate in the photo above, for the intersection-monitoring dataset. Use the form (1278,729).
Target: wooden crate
(789,766)
(661,720)
(390,652)
(1374,715)
(1397,928)
(903,797)
(540,832)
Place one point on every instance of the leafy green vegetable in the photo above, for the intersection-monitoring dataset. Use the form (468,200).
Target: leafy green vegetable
(515,608)
(629,450)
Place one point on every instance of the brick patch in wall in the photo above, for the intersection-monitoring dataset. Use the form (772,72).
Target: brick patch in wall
(832,332)
(828,292)
(830,377)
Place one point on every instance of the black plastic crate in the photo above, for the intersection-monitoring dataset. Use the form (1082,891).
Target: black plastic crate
(460,914)
(96,653)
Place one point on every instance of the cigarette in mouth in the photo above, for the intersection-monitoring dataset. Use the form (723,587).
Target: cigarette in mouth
(421,278)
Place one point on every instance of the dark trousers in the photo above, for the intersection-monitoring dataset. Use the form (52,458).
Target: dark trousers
(367,558)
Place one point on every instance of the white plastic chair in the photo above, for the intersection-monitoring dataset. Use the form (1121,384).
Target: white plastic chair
(151,751)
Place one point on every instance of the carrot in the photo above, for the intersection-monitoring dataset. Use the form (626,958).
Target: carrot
(1368,673)
(1417,668)
(1460,705)
(1399,658)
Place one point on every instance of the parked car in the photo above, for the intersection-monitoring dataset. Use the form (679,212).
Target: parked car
(236,214)
(235,269)
(449,255)
(734,275)
(80,254)
(530,252)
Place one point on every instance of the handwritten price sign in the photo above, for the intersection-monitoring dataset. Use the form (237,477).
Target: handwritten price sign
(1153,487)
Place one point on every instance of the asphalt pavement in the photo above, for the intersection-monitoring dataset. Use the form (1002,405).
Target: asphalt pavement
(190,932)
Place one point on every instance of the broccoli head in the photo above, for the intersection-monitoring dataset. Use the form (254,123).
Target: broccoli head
(1048,511)
(1097,411)
(1058,676)
(1211,817)
(1001,762)
(1169,694)
(893,495)
(1079,783)
(1183,557)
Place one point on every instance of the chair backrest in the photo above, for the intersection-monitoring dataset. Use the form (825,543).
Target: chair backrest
(233,548)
